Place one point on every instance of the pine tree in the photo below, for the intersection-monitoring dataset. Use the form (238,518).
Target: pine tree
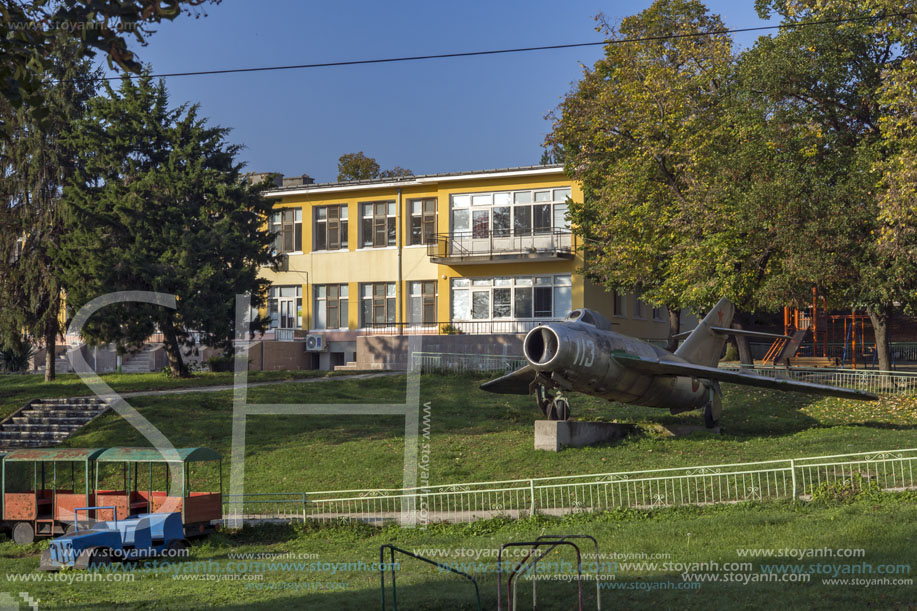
(35,161)
(159,203)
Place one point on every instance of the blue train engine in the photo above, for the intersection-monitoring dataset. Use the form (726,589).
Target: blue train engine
(94,543)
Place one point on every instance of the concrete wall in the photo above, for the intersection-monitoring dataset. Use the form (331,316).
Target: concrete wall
(390,352)
(275,356)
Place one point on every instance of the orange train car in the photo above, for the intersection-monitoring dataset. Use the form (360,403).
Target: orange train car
(41,487)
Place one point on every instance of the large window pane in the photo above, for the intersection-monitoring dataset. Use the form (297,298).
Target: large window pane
(501,221)
(502,303)
(560,217)
(522,220)
(461,305)
(523,302)
(480,305)
(563,300)
(543,218)
(543,301)
(481,223)
(460,221)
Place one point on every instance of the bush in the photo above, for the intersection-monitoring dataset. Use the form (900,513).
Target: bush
(220,363)
(16,354)
(451,329)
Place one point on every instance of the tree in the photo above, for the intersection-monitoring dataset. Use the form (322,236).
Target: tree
(357,166)
(832,86)
(30,29)
(35,161)
(159,203)
(639,132)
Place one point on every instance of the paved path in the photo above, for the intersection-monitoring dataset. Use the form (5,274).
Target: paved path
(193,389)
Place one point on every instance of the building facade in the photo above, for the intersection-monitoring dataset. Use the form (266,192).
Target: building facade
(474,253)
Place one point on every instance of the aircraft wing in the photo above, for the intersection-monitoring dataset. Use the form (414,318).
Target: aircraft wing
(656,367)
(515,383)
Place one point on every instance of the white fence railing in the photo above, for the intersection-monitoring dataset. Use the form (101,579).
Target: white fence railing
(879,382)
(703,485)
(429,362)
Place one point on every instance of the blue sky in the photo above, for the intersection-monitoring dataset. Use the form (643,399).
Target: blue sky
(429,116)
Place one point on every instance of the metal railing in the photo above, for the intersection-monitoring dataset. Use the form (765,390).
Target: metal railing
(698,485)
(441,362)
(266,506)
(486,243)
(871,380)
(454,327)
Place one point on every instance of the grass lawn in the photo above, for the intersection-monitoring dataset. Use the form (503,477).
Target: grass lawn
(478,436)
(309,574)
(17,390)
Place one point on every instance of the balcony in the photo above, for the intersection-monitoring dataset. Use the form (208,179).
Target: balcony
(483,247)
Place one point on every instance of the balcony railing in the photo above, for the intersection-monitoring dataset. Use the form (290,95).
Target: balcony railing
(476,327)
(483,246)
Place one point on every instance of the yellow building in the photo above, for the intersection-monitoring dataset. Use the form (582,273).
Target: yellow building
(486,252)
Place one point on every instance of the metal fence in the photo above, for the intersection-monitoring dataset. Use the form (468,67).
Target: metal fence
(879,382)
(443,362)
(704,485)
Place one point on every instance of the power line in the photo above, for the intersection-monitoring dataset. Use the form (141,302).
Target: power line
(391,60)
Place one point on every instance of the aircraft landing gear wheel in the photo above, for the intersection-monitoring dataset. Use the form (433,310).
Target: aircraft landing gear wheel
(710,419)
(560,409)
(544,400)
(23,533)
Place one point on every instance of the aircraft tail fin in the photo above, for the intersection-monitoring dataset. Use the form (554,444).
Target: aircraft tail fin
(705,345)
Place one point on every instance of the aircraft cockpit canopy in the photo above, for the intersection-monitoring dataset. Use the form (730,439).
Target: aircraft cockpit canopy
(590,317)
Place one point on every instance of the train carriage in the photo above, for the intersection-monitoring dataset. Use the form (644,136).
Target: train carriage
(41,487)
(146,491)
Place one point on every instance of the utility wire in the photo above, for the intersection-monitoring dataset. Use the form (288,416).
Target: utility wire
(390,60)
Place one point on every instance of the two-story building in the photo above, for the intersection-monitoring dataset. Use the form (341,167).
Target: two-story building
(469,253)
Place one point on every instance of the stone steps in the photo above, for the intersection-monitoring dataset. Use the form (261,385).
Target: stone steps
(48,422)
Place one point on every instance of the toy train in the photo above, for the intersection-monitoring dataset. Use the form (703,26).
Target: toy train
(42,488)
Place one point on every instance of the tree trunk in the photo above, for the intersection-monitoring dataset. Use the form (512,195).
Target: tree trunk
(879,317)
(50,354)
(177,367)
(674,329)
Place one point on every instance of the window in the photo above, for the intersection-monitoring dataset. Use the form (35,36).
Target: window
(330,306)
(423,220)
(640,308)
(331,227)
(423,302)
(658,313)
(379,306)
(510,213)
(287,224)
(378,224)
(617,300)
(506,298)
(285,307)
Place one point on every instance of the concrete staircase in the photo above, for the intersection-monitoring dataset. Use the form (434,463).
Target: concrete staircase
(139,362)
(44,423)
(350,366)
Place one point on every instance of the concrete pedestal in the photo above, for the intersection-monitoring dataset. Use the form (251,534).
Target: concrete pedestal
(555,435)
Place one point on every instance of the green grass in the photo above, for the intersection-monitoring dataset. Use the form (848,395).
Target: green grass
(882,525)
(17,390)
(478,436)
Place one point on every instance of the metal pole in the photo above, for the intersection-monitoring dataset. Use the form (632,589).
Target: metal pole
(793,473)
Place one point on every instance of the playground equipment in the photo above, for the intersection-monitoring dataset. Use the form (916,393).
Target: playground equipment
(146,535)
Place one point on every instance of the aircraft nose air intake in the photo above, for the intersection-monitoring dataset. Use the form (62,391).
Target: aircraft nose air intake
(540,345)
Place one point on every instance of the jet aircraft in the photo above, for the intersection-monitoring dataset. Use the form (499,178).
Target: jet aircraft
(582,354)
